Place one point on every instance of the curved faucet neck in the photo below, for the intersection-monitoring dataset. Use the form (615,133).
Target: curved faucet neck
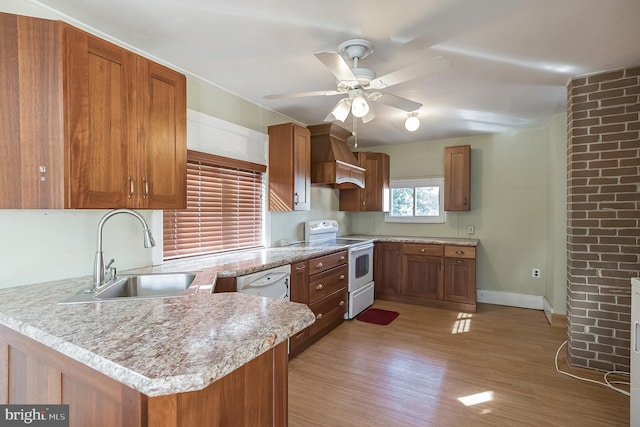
(99,260)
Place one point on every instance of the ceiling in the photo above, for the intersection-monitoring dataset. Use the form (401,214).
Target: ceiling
(510,59)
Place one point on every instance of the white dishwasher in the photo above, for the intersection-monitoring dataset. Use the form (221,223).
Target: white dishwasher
(272,283)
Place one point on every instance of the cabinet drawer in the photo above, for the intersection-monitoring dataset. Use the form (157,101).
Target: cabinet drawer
(327,262)
(422,249)
(329,311)
(460,252)
(327,282)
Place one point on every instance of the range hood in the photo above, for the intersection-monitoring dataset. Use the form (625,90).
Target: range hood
(332,162)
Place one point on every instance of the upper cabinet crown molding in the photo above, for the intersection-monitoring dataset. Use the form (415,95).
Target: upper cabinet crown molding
(88,124)
(457,178)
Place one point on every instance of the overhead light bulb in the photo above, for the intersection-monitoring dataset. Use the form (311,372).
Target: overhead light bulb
(359,106)
(413,122)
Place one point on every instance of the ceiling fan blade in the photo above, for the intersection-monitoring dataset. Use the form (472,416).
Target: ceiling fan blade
(398,102)
(302,94)
(422,69)
(338,66)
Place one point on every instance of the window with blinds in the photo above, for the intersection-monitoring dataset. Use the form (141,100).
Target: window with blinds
(225,206)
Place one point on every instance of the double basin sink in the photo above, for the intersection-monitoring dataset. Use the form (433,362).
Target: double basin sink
(139,286)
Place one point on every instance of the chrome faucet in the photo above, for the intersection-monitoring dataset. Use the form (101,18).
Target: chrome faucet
(99,267)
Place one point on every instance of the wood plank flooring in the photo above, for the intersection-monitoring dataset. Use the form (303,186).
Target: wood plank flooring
(413,371)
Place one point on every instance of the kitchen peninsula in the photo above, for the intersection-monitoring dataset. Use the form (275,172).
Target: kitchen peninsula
(205,359)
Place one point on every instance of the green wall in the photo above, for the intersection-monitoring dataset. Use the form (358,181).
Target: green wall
(517,207)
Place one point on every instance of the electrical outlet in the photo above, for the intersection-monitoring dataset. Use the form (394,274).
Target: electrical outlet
(535,273)
(470,229)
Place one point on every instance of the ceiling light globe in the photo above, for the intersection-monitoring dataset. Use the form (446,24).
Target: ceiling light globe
(359,106)
(412,123)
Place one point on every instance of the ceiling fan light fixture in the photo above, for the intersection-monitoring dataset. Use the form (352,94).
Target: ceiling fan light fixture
(413,122)
(341,110)
(359,105)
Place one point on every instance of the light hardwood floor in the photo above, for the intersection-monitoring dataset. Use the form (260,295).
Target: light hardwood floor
(412,373)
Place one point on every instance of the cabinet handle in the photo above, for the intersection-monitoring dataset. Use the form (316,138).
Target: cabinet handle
(131,187)
(319,316)
(422,250)
(341,277)
(300,268)
(465,201)
(341,303)
(319,287)
(342,258)
(320,265)
(459,261)
(460,252)
(296,198)
(145,181)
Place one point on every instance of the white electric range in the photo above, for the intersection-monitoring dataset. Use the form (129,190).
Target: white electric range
(361,285)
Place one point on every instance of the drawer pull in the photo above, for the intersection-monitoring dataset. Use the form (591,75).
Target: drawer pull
(319,286)
(300,268)
(341,303)
(459,261)
(422,250)
(320,265)
(460,252)
(342,258)
(341,277)
(319,316)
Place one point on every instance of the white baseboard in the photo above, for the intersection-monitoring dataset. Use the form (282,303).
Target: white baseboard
(511,299)
(548,311)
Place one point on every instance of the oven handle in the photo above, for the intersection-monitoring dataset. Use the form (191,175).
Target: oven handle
(357,248)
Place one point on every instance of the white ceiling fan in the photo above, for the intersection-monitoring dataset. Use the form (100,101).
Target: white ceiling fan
(362,86)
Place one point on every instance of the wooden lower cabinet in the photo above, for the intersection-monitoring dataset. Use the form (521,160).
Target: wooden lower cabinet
(322,284)
(387,270)
(426,274)
(254,394)
(460,274)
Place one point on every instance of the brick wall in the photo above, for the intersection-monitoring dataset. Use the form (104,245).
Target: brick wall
(603,216)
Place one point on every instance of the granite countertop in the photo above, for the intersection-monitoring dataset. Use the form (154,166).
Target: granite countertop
(161,346)
(419,239)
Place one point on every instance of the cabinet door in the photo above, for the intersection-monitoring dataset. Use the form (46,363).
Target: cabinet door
(289,168)
(387,269)
(301,169)
(30,114)
(100,109)
(457,170)
(422,277)
(460,280)
(160,165)
(376,181)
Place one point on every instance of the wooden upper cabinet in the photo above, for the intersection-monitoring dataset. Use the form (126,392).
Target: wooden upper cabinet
(162,137)
(457,173)
(92,125)
(289,168)
(127,127)
(375,195)
(31,111)
(99,78)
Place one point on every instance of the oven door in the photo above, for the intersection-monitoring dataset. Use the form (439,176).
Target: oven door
(360,266)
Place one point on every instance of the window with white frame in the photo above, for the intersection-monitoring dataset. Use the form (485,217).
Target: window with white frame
(416,200)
